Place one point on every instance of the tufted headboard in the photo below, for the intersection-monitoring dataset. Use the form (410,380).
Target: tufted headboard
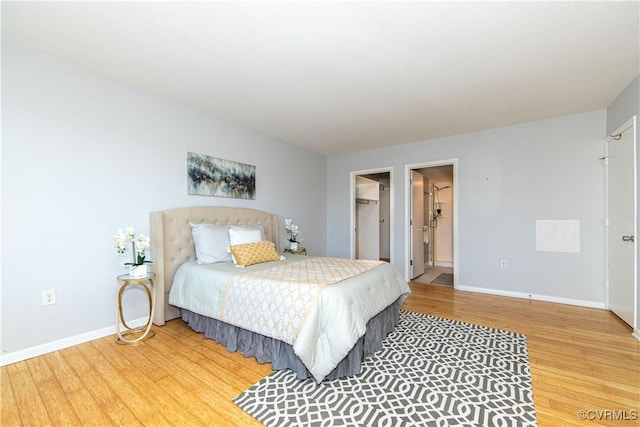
(172,244)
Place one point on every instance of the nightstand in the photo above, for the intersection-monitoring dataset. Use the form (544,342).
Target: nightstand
(143,332)
(299,251)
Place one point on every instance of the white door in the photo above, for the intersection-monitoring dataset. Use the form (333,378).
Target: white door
(368,231)
(367,219)
(621,234)
(417,224)
(385,220)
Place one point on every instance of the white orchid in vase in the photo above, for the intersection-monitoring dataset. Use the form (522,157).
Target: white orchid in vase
(126,238)
(292,230)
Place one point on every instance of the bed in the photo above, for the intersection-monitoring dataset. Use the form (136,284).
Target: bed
(347,322)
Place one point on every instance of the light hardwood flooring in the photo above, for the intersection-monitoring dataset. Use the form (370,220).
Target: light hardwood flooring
(581,359)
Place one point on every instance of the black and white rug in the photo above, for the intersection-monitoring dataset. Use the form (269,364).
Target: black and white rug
(430,372)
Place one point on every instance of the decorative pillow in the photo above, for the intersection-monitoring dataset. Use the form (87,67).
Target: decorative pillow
(247,254)
(239,234)
(211,243)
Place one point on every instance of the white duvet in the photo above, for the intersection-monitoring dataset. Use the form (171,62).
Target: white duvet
(332,327)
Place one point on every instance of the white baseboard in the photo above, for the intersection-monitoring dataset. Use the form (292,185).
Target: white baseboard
(636,334)
(444,263)
(28,353)
(547,298)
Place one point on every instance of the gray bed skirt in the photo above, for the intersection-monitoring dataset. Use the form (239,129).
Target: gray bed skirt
(281,354)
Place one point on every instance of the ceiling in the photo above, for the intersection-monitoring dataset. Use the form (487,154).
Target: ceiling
(338,77)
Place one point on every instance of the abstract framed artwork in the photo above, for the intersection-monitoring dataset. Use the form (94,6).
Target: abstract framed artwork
(210,176)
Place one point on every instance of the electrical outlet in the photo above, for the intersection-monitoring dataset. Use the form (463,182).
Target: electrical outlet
(49,297)
(503,264)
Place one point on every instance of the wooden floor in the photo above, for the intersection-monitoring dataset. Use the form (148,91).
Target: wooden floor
(581,359)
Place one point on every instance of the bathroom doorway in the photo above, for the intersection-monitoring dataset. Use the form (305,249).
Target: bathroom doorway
(431,223)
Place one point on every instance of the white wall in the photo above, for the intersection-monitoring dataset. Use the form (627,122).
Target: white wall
(82,156)
(507,178)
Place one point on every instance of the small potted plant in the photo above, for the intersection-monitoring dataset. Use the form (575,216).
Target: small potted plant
(126,238)
(292,230)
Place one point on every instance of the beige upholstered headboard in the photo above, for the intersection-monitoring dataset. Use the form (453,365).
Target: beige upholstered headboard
(172,244)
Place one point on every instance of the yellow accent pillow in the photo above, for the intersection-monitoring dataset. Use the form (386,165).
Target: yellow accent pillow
(248,254)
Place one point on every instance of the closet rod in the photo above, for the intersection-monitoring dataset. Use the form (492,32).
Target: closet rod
(366,201)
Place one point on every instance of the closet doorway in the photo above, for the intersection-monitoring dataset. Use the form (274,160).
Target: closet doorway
(432,222)
(371,220)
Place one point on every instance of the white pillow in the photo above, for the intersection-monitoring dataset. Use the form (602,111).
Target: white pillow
(240,234)
(210,242)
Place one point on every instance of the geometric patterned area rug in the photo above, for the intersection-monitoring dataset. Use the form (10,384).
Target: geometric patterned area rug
(430,372)
(443,279)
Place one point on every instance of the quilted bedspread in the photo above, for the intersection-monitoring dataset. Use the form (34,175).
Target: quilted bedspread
(320,306)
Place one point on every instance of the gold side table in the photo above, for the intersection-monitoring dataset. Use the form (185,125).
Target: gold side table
(144,332)
(299,251)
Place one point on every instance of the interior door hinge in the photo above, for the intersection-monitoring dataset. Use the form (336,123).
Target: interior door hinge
(411,262)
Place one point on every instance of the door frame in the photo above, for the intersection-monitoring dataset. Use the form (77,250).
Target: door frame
(352,209)
(412,224)
(407,209)
(631,123)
